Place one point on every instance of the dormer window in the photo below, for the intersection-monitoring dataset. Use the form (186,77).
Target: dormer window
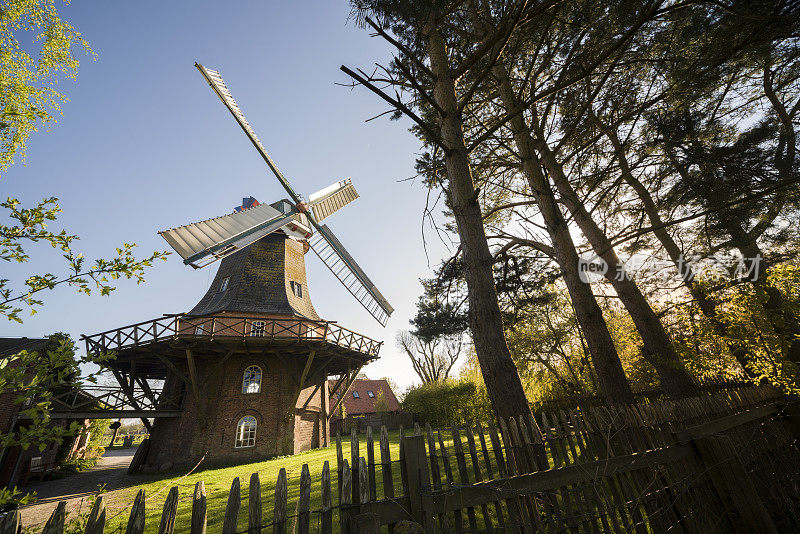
(370,394)
(297,288)
(223,286)
(355,395)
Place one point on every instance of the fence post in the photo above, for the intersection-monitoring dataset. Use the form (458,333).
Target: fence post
(415,463)
(733,484)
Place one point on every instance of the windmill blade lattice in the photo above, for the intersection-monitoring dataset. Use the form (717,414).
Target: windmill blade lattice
(336,258)
(218,84)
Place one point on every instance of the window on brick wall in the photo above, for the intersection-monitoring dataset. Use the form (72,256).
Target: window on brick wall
(297,288)
(246,432)
(251,382)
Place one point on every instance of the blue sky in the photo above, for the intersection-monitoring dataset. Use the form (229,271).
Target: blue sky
(145,145)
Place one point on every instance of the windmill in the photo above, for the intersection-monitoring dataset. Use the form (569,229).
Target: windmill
(204,242)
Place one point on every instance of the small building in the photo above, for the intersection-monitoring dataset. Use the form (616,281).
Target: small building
(17,465)
(368,403)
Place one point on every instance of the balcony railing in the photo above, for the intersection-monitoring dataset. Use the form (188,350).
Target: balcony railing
(228,328)
(115,399)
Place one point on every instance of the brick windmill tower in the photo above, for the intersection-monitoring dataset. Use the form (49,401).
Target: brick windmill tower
(244,374)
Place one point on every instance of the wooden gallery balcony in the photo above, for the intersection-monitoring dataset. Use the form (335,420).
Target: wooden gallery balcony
(148,344)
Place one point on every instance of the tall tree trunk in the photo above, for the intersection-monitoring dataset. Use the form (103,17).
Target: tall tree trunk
(657,346)
(613,384)
(707,306)
(500,374)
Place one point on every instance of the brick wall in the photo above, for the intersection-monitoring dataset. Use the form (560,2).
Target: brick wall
(182,441)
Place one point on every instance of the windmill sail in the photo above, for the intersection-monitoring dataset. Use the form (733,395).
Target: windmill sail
(336,258)
(322,204)
(328,201)
(214,239)
(218,84)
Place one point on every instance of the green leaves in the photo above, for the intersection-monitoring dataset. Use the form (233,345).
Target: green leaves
(29,70)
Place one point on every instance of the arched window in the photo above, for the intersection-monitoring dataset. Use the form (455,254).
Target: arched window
(251,383)
(246,432)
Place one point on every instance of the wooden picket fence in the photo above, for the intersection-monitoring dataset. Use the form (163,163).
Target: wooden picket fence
(728,462)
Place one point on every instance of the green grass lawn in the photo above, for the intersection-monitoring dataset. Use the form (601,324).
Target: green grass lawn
(218,482)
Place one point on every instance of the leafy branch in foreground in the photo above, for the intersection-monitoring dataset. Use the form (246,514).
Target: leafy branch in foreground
(30,225)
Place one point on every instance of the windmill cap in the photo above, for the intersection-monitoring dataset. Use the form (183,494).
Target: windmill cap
(247,203)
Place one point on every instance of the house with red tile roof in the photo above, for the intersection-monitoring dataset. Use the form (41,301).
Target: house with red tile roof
(362,409)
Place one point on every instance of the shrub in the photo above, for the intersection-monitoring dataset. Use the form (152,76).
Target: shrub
(461,402)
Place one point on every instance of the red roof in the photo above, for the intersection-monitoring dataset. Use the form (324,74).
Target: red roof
(364,403)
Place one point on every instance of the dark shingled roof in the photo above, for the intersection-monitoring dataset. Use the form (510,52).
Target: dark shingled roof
(12,345)
(258,282)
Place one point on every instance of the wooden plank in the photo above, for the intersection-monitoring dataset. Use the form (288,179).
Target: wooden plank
(345,498)
(386,465)
(136,519)
(373,490)
(448,472)
(547,502)
(583,500)
(514,513)
(419,490)
(55,523)
(403,474)
(436,475)
(232,508)
(304,503)
(254,505)
(476,471)
(96,522)
(722,424)
(530,510)
(510,487)
(339,466)
(596,494)
(355,454)
(463,474)
(279,513)
(168,514)
(620,485)
(487,461)
(199,509)
(199,400)
(302,382)
(364,493)
(326,512)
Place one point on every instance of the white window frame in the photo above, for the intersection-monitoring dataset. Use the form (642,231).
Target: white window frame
(246,432)
(223,286)
(297,288)
(251,380)
(258,328)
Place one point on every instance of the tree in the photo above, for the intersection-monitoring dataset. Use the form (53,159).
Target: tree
(29,99)
(28,95)
(421,33)
(431,359)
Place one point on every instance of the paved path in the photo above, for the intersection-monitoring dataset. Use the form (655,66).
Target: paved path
(110,470)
